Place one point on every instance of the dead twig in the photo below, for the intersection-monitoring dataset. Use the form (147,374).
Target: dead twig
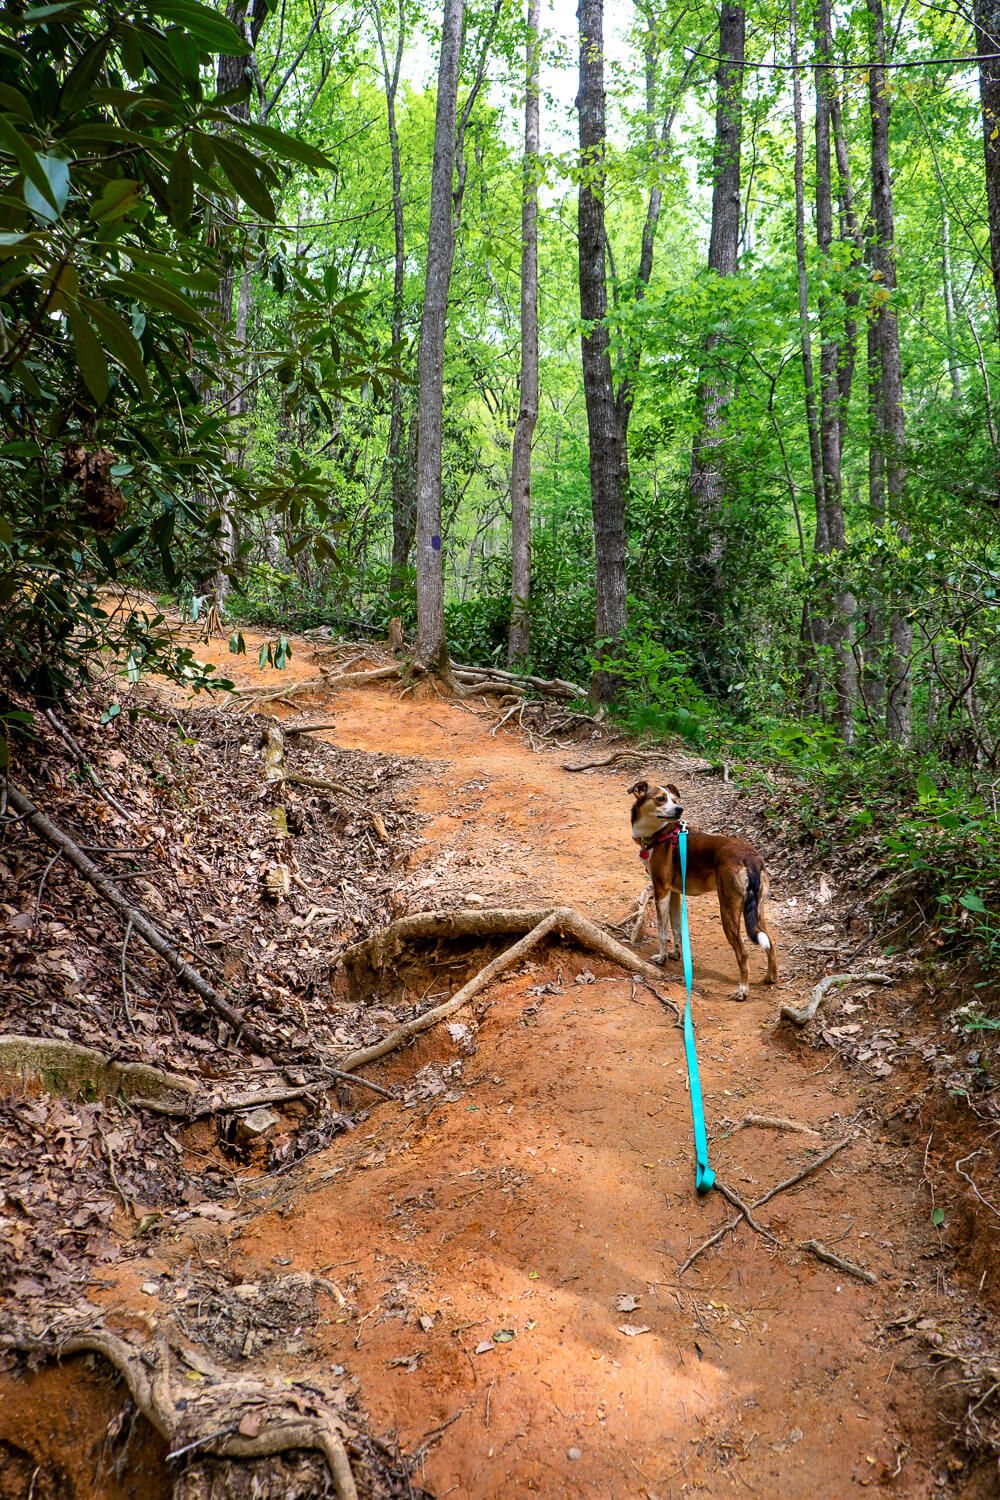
(106,888)
(78,754)
(821,990)
(781,1187)
(848,1266)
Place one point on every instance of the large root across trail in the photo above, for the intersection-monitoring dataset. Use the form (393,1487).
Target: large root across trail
(380,950)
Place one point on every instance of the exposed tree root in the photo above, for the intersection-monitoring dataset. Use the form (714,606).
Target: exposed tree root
(619,755)
(69,1069)
(140,923)
(382,948)
(821,990)
(822,1253)
(221,1415)
(781,1187)
(772,1122)
(287,690)
(202,1108)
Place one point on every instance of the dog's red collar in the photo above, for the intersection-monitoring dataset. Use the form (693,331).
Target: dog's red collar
(665,836)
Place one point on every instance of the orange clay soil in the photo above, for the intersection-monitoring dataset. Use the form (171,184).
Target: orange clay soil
(541,1216)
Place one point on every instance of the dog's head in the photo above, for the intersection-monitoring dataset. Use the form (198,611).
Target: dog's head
(653,807)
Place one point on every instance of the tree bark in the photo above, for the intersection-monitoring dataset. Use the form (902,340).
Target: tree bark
(886,326)
(401,489)
(520,470)
(707,481)
(838,630)
(948,292)
(606,488)
(987,19)
(431,648)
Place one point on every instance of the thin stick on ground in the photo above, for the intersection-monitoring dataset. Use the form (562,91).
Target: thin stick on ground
(819,993)
(822,1253)
(781,1187)
(143,927)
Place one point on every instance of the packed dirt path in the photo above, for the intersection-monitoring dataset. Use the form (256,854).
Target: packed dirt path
(504,1254)
(545,1206)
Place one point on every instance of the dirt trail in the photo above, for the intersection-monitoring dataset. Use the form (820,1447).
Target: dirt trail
(543,1205)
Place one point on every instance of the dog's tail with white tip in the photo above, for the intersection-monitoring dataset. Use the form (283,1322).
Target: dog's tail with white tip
(751,906)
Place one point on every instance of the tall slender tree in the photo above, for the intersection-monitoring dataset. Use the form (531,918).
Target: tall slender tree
(832,536)
(400,476)
(987,34)
(891,425)
(527,415)
(432,648)
(604,432)
(707,482)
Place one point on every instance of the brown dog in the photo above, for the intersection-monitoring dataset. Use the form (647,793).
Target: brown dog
(729,866)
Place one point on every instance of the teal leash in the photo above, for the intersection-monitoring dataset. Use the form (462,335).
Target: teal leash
(704,1177)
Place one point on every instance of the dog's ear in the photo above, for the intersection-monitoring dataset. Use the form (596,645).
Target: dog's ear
(674,792)
(638,789)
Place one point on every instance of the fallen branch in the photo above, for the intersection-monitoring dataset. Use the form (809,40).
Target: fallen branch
(141,924)
(821,990)
(822,1253)
(319,784)
(218,1406)
(781,1187)
(323,724)
(384,947)
(78,754)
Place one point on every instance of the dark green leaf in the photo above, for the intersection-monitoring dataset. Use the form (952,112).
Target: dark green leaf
(14,144)
(241,171)
(288,147)
(89,357)
(118,337)
(216,33)
(146,289)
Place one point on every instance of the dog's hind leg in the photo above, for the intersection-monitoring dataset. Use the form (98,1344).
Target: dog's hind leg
(729,909)
(771,977)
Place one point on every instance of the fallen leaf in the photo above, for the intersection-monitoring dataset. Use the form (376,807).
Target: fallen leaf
(631,1330)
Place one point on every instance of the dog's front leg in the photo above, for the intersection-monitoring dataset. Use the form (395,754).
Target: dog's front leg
(667,913)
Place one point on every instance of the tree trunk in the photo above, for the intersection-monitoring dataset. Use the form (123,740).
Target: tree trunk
(520,469)
(839,629)
(707,482)
(987,18)
(893,430)
(948,290)
(401,491)
(431,647)
(606,488)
